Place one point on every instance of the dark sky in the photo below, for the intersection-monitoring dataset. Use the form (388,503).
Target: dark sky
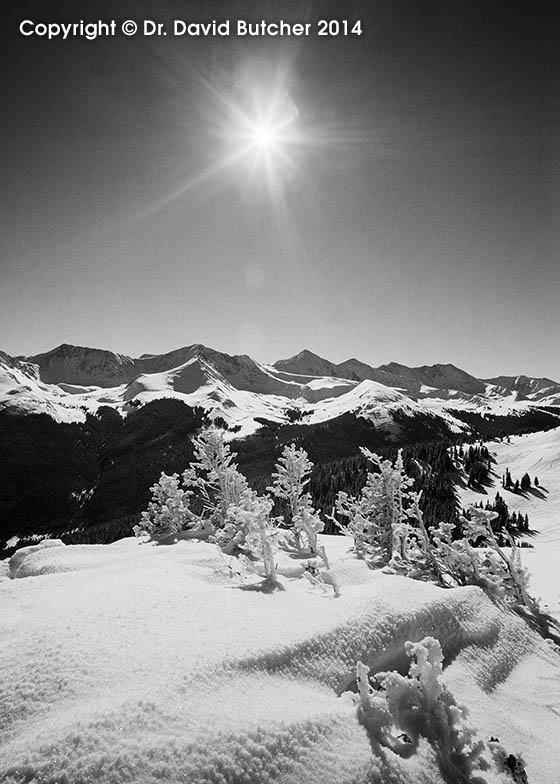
(413,216)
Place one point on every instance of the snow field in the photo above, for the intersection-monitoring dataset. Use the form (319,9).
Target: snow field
(138,663)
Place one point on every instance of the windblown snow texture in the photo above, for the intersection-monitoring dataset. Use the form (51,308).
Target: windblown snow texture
(137,663)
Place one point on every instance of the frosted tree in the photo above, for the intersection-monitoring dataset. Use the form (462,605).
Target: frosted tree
(388,529)
(252,516)
(241,519)
(214,476)
(379,519)
(413,552)
(168,512)
(214,479)
(292,475)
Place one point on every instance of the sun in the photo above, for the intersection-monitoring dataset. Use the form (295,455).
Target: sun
(252,131)
(264,136)
(259,126)
(266,131)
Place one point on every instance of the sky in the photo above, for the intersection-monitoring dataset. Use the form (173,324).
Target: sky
(390,196)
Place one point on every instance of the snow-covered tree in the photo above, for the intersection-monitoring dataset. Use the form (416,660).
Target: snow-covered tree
(293,473)
(252,516)
(214,476)
(240,517)
(387,525)
(168,512)
(234,516)
(379,519)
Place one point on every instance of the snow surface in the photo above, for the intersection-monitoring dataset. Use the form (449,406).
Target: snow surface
(134,662)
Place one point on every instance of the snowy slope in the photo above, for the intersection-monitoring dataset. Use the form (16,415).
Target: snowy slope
(22,391)
(137,663)
(537,454)
(375,402)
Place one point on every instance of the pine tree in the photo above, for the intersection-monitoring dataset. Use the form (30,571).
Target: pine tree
(292,475)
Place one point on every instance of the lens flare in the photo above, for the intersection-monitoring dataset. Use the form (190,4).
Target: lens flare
(255,133)
(247,134)
(250,130)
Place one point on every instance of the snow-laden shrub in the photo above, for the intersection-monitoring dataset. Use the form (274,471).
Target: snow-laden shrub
(402,710)
(293,473)
(231,536)
(239,516)
(260,534)
(500,573)
(168,512)
(308,523)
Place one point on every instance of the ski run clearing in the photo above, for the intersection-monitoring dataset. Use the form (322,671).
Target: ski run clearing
(134,662)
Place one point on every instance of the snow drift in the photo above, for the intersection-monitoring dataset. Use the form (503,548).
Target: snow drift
(140,663)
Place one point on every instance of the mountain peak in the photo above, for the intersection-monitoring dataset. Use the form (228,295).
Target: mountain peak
(83,365)
(306,363)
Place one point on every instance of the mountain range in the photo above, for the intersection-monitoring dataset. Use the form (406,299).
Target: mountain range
(69,381)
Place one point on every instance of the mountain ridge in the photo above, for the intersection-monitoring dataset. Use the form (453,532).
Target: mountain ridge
(70,380)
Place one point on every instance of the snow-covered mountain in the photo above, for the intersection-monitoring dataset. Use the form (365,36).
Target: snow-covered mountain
(525,388)
(83,366)
(436,377)
(68,381)
(307,363)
